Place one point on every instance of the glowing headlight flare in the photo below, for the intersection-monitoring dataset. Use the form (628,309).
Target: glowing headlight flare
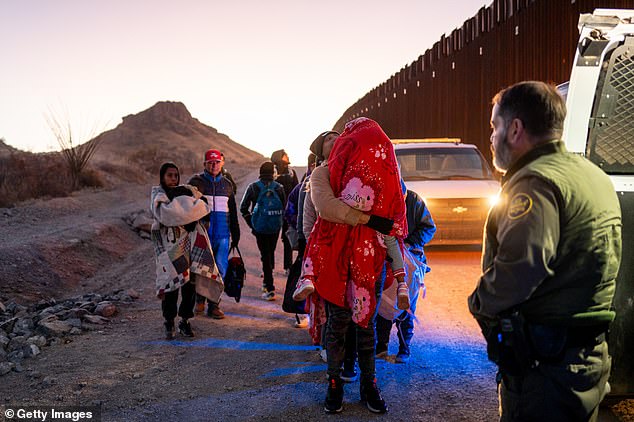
(494,199)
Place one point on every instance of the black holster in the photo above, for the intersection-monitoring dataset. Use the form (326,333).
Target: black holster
(508,345)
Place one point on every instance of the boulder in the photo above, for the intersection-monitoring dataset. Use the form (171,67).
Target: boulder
(142,223)
(106,309)
(55,328)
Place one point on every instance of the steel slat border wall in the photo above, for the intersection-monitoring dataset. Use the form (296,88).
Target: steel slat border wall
(446,92)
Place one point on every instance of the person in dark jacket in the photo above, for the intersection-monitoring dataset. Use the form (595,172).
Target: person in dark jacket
(421,230)
(266,241)
(286,177)
(223,226)
(551,255)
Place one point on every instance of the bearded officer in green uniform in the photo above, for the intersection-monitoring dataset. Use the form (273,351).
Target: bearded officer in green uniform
(551,255)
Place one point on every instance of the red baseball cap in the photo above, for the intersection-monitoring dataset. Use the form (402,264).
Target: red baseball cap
(213,155)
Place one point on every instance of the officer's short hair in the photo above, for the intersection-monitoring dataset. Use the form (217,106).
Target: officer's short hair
(537,104)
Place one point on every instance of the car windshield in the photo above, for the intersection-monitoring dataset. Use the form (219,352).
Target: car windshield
(442,164)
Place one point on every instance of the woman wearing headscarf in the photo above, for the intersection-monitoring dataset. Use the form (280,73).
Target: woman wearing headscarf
(184,259)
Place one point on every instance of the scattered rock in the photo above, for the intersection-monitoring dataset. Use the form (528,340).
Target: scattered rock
(55,328)
(31,350)
(142,223)
(48,381)
(75,331)
(4,340)
(106,309)
(7,325)
(39,341)
(16,356)
(16,343)
(23,326)
(3,308)
(6,367)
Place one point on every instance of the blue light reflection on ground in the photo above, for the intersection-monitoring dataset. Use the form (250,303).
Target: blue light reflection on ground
(283,372)
(233,345)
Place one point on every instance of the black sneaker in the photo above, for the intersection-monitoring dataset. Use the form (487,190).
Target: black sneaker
(185,329)
(334,396)
(371,396)
(169,330)
(349,372)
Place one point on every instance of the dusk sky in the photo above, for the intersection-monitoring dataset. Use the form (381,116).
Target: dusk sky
(268,74)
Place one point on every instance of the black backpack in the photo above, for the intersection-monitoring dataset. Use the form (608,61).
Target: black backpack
(234,278)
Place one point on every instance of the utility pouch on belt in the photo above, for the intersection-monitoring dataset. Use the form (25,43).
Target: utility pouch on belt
(508,345)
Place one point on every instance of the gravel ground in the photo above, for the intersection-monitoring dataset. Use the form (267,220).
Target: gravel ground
(252,365)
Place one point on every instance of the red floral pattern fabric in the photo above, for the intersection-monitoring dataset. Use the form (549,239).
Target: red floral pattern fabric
(344,262)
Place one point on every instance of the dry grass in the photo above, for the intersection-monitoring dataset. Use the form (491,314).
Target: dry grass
(27,176)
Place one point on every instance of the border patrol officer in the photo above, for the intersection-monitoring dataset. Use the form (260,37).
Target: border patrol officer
(551,255)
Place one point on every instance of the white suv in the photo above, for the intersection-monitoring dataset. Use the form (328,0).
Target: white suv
(456,183)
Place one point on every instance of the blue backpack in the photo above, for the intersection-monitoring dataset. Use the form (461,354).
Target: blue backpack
(268,210)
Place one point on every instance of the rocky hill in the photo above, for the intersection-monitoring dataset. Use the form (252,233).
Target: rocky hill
(168,132)
(6,149)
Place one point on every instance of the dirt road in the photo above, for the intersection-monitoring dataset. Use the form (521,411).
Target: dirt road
(251,366)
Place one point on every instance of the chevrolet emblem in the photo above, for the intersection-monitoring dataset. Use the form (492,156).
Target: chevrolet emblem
(459,209)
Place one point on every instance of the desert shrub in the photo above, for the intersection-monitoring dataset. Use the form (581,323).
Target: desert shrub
(27,176)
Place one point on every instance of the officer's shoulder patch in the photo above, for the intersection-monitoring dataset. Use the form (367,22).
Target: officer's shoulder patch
(520,205)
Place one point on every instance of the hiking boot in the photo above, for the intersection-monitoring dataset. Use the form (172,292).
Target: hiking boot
(185,328)
(402,294)
(371,396)
(402,357)
(304,288)
(169,330)
(268,296)
(301,321)
(199,308)
(349,372)
(215,312)
(334,396)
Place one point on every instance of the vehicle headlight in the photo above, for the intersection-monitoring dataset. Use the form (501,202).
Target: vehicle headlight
(494,199)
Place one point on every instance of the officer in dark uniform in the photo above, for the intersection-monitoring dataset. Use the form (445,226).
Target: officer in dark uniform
(551,254)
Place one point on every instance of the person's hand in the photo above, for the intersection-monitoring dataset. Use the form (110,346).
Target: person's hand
(380,224)
(161,295)
(400,278)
